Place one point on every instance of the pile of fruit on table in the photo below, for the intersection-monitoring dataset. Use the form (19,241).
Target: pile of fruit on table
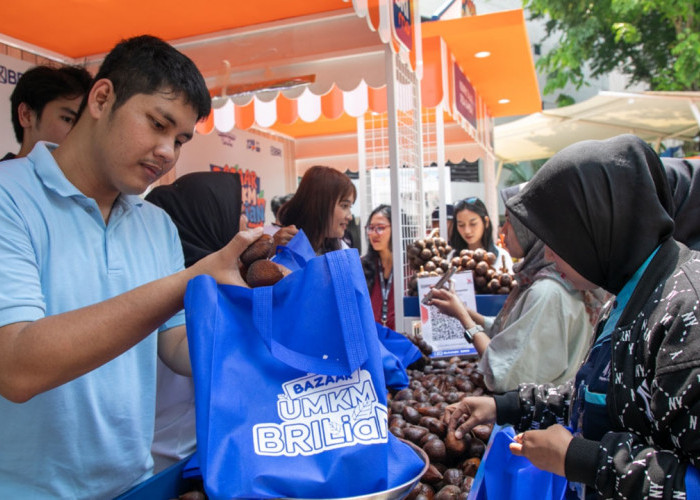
(416,414)
(433,257)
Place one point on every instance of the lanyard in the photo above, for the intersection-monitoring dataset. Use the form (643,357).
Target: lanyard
(622,298)
(385,285)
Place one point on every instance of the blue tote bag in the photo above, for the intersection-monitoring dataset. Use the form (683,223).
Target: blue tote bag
(397,351)
(504,476)
(396,343)
(289,386)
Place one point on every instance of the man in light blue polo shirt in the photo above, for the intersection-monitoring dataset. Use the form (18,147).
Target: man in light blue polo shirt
(87,272)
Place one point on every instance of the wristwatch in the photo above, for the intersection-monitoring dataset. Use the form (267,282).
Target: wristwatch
(470,332)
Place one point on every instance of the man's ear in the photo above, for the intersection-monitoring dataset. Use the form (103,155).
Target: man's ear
(100,98)
(26,115)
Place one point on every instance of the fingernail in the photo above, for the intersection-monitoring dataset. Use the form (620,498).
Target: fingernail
(458,434)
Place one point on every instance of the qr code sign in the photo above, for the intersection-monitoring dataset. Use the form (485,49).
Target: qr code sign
(444,327)
(443,332)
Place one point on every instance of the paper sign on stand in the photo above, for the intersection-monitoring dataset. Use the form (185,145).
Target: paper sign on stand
(445,333)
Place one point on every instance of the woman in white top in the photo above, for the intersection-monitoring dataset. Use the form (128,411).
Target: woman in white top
(206,209)
(545,326)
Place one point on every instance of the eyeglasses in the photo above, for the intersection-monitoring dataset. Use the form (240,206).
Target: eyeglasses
(472,201)
(378,228)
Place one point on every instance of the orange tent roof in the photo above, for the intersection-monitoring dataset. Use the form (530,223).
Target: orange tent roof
(93,28)
(507,73)
(76,28)
(323,126)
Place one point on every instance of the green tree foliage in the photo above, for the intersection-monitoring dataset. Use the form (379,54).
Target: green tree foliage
(521,171)
(651,41)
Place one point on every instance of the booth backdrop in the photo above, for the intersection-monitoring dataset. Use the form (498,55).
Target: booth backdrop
(258,159)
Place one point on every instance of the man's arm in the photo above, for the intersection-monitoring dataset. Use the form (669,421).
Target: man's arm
(173,350)
(40,355)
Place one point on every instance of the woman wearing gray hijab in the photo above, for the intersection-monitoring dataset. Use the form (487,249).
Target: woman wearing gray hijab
(603,210)
(543,330)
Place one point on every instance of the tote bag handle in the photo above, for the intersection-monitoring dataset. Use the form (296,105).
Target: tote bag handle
(289,258)
(339,266)
(295,254)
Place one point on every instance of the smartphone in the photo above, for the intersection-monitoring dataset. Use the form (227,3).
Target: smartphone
(440,284)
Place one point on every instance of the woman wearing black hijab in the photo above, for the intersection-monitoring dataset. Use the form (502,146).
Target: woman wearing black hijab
(684,178)
(206,209)
(602,208)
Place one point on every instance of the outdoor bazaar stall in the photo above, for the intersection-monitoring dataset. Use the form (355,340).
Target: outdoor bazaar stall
(310,49)
(474,69)
(307,43)
(384,61)
(317,86)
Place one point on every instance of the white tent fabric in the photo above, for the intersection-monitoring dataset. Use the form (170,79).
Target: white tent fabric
(653,116)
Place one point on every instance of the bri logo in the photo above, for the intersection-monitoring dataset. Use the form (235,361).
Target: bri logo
(9,76)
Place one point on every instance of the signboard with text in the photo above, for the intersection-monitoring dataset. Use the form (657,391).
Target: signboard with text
(465,96)
(444,333)
(257,159)
(402,22)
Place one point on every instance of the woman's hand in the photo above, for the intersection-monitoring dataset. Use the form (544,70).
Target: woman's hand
(284,235)
(546,449)
(449,303)
(466,414)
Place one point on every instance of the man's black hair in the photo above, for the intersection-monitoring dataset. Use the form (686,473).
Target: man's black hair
(147,65)
(40,85)
(277,201)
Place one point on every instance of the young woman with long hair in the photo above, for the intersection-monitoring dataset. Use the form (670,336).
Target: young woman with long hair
(378,265)
(321,207)
(472,229)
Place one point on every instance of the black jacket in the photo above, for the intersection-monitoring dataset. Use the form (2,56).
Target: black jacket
(653,402)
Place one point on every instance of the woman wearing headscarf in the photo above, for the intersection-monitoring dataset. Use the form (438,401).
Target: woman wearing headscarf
(543,330)
(602,208)
(684,178)
(206,209)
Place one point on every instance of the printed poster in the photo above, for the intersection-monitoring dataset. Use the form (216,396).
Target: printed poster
(444,333)
(258,160)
